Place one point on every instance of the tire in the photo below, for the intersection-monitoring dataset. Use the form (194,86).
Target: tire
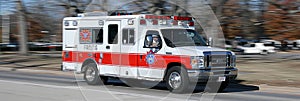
(181,85)
(215,87)
(91,75)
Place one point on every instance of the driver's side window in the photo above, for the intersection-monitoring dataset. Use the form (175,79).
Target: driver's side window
(152,40)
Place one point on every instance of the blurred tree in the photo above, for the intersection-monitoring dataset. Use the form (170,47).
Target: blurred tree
(231,19)
(282,19)
(239,17)
(73,7)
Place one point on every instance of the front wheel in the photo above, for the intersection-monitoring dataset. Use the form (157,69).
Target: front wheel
(91,75)
(177,80)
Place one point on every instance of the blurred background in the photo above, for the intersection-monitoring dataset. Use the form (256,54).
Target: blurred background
(39,22)
(270,29)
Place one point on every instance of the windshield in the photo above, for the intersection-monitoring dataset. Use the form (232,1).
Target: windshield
(182,37)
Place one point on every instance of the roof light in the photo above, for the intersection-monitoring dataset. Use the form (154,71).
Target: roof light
(130,22)
(157,17)
(182,18)
(191,23)
(142,22)
(75,23)
(66,23)
(149,16)
(154,22)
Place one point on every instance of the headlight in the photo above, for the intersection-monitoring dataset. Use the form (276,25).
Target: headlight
(197,62)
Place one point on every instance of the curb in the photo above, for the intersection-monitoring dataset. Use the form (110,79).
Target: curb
(67,73)
(279,89)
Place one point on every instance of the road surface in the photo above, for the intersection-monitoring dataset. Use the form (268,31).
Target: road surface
(30,86)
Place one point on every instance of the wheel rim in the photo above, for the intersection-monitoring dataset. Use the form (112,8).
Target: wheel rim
(174,80)
(90,74)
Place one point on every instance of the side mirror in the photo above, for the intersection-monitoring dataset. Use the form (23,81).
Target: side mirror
(210,41)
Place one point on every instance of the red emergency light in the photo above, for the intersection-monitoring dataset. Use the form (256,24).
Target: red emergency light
(182,18)
(142,22)
(191,23)
(154,22)
(157,17)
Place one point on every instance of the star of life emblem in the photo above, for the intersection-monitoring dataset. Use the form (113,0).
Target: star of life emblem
(150,58)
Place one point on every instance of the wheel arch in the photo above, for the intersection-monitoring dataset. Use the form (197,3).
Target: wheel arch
(170,65)
(88,61)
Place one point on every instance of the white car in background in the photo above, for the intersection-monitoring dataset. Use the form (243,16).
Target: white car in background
(296,44)
(257,48)
(274,43)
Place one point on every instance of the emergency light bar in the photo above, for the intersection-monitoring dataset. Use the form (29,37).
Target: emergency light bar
(182,18)
(176,20)
(157,17)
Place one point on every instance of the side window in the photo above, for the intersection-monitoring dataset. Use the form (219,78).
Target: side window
(128,36)
(98,35)
(85,35)
(152,40)
(113,34)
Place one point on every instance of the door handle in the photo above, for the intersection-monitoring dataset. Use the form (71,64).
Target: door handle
(107,47)
(141,57)
(168,52)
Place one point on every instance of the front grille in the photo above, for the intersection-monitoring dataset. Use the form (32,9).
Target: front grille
(217,59)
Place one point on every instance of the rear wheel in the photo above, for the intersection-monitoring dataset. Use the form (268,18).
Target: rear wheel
(91,75)
(177,80)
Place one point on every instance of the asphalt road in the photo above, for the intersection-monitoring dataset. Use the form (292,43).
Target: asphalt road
(25,86)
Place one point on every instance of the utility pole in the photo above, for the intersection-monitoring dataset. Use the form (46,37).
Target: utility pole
(23,50)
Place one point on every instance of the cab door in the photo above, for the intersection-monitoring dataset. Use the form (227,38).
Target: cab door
(151,61)
(110,64)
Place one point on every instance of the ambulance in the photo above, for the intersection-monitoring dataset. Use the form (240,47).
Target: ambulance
(144,47)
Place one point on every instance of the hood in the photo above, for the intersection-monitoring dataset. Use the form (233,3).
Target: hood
(196,50)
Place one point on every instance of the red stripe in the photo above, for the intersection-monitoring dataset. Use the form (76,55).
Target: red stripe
(126,59)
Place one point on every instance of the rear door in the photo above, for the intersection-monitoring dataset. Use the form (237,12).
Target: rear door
(70,41)
(111,55)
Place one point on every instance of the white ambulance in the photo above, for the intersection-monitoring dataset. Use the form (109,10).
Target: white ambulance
(143,47)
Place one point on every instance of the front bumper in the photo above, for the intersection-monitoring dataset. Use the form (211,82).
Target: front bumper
(205,75)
